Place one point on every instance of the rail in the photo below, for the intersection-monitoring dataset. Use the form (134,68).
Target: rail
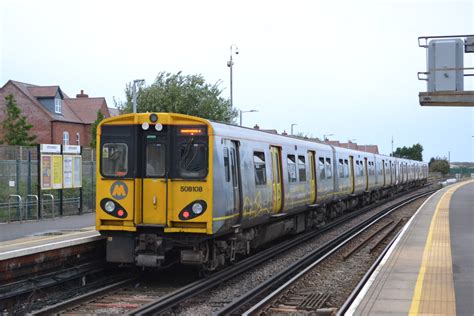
(37,204)
(52,203)
(9,205)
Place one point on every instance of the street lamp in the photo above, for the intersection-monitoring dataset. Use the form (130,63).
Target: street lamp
(325,136)
(294,124)
(230,63)
(136,82)
(251,111)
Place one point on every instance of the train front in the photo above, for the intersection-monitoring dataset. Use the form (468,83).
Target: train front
(154,189)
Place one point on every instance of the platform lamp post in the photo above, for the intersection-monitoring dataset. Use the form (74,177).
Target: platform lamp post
(136,82)
(240,114)
(233,49)
(294,124)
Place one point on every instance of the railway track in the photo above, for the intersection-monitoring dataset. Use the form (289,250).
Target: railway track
(130,297)
(254,301)
(176,298)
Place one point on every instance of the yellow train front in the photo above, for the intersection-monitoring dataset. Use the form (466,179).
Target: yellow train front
(153,179)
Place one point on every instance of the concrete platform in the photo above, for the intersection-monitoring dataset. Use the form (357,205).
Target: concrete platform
(429,270)
(27,238)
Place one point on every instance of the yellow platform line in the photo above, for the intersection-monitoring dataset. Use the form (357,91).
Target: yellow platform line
(434,290)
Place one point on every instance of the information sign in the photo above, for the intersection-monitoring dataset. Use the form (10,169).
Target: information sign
(46,172)
(67,171)
(77,169)
(57,171)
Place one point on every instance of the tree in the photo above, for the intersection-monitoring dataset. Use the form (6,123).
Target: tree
(99,119)
(178,93)
(15,126)
(439,165)
(414,152)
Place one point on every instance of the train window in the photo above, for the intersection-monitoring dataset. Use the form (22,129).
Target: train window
(226,164)
(259,165)
(302,168)
(233,167)
(291,162)
(155,160)
(328,168)
(192,159)
(322,171)
(346,168)
(114,159)
(340,167)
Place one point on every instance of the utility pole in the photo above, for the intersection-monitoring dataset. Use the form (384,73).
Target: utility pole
(134,93)
(230,63)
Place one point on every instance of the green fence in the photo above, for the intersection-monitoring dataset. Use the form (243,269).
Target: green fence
(19,179)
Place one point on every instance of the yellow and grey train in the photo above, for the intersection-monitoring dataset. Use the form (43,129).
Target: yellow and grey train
(173,188)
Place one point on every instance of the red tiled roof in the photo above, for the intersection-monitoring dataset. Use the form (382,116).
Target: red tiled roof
(43,92)
(86,108)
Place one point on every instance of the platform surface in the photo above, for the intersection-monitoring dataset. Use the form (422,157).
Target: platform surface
(429,270)
(20,239)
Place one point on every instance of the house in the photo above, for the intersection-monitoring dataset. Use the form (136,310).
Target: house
(56,118)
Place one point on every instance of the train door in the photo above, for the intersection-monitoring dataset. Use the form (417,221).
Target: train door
(235,177)
(155,182)
(352,175)
(277,181)
(312,179)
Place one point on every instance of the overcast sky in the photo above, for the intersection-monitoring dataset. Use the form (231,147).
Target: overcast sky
(332,67)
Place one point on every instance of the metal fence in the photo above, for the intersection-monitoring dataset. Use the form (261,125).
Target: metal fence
(19,186)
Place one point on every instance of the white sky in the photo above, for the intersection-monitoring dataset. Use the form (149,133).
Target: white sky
(346,68)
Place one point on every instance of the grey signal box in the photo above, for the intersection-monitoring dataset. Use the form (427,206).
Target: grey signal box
(445,65)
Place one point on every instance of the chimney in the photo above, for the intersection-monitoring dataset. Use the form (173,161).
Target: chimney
(82,95)
(256,126)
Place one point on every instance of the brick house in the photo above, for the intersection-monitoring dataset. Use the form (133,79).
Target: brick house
(56,118)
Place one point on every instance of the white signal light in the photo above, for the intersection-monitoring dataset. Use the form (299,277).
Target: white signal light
(109,206)
(197,208)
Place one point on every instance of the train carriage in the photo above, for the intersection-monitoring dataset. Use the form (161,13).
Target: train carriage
(175,188)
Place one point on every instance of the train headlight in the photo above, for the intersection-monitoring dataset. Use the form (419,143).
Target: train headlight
(197,208)
(109,206)
(159,127)
(145,126)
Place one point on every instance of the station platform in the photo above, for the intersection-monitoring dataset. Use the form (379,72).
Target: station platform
(31,237)
(429,269)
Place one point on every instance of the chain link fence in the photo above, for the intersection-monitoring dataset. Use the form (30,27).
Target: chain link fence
(19,186)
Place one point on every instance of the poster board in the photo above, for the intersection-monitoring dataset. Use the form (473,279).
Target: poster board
(57,171)
(46,172)
(60,169)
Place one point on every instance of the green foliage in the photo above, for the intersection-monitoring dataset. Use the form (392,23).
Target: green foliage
(439,165)
(15,126)
(178,93)
(99,118)
(414,152)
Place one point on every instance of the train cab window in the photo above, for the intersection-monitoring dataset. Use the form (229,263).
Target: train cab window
(226,164)
(259,165)
(322,171)
(328,168)
(114,159)
(192,158)
(291,163)
(302,168)
(346,168)
(340,168)
(155,160)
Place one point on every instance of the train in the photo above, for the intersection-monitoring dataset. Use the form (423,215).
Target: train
(173,188)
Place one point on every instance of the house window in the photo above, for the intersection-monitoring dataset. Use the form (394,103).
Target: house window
(65,138)
(57,105)
(78,138)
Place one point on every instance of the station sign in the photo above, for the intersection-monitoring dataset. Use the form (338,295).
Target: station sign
(60,171)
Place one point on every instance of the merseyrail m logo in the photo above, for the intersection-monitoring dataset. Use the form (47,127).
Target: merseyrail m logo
(119,190)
